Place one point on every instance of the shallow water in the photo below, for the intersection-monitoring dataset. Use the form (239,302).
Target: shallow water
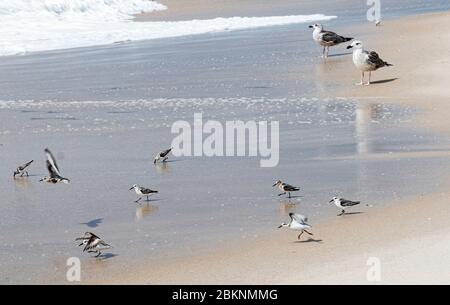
(327,147)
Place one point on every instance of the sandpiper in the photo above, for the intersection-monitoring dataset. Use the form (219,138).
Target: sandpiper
(22,170)
(286,188)
(343,204)
(162,156)
(93,244)
(142,191)
(53,170)
(297,223)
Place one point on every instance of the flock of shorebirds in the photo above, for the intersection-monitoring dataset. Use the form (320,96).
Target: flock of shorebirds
(365,61)
(94,244)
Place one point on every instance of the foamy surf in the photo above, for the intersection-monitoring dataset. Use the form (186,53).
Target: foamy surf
(44,25)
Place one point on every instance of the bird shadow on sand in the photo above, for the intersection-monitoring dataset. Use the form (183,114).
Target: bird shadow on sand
(351,213)
(340,54)
(292,197)
(309,240)
(107,256)
(173,161)
(384,81)
(93,223)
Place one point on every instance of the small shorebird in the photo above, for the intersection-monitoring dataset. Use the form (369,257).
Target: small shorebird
(162,156)
(286,188)
(93,244)
(297,223)
(366,61)
(343,204)
(22,170)
(326,39)
(142,191)
(53,170)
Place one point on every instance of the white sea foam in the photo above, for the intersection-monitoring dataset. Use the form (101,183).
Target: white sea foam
(41,25)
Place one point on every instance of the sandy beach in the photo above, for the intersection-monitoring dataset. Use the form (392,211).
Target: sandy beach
(106,110)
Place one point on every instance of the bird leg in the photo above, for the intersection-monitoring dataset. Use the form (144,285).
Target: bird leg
(328,51)
(148,199)
(370,74)
(323,52)
(282,194)
(362,80)
(99,253)
(299,235)
(342,213)
(138,200)
(289,194)
(308,232)
(27,174)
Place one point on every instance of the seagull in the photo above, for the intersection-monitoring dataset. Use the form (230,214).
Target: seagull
(297,223)
(326,39)
(22,169)
(343,204)
(162,155)
(93,244)
(53,170)
(366,61)
(142,191)
(286,188)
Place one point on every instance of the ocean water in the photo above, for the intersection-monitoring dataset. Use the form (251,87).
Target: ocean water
(42,25)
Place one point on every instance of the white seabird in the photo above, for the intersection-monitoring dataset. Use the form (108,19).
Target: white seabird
(142,191)
(22,170)
(366,61)
(53,170)
(162,156)
(343,204)
(297,223)
(326,39)
(286,188)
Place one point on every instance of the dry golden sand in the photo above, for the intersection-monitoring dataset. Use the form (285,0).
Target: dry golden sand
(411,238)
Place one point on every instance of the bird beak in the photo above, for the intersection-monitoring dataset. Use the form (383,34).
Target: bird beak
(310,26)
(131,188)
(274,185)
(349,47)
(280,227)
(331,201)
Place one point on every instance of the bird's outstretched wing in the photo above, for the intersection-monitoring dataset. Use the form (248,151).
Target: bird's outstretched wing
(349,203)
(24,166)
(298,218)
(165,152)
(87,235)
(51,164)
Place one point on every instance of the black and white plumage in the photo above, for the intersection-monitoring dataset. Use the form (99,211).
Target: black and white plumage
(142,191)
(298,223)
(162,156)
(366,61)
(22,170)
(286,188)
(343,204)
(93,244)
(53,170)
(327,39)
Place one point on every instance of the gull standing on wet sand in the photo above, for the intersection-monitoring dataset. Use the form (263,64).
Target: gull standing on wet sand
(326,39)
(297,223)
(53,170)
(343,204)
(366,61)
(142,191)
(162,156)
(21,170)
(286,188)
(93,244)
